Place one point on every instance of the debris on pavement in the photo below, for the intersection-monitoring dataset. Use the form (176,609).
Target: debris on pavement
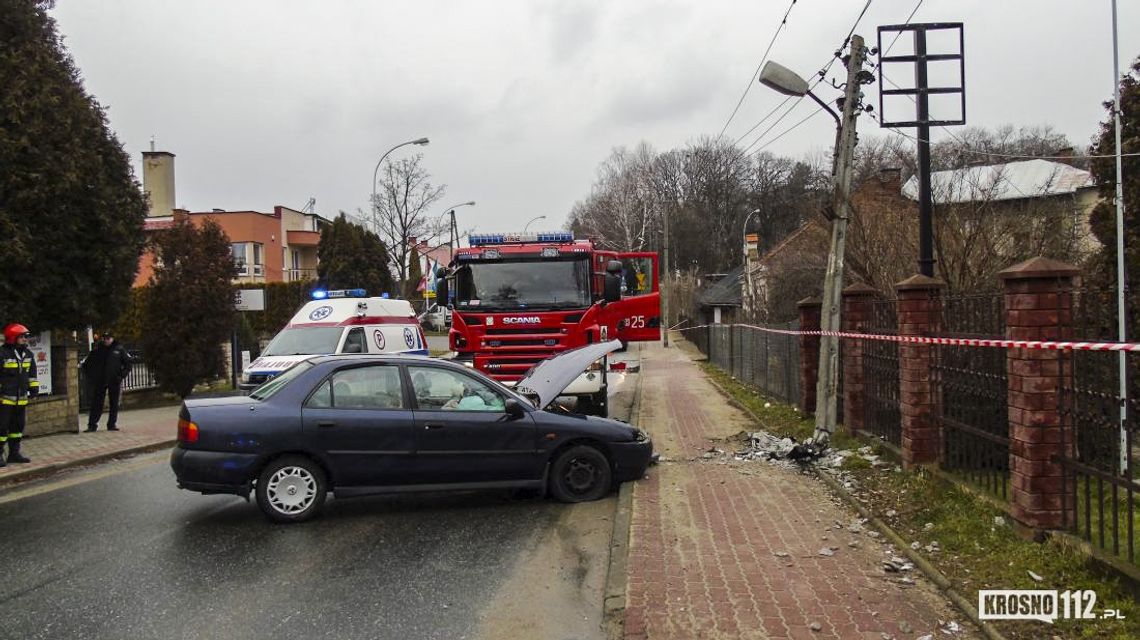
(815,626)
(1036,578)
(826,551)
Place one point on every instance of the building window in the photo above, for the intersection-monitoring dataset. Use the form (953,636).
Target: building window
(240,259)
(248,258)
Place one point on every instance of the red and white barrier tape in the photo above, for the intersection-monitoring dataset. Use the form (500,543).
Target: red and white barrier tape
(1000,343)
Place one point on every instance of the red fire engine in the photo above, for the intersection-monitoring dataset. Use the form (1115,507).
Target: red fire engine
(520,298)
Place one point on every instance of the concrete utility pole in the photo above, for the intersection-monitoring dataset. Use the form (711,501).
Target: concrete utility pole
(833,281)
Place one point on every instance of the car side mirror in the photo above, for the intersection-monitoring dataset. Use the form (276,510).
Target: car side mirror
(514,409)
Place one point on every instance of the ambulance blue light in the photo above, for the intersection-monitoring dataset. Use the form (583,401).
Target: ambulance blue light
(347,293)
(384,295)
(319,294)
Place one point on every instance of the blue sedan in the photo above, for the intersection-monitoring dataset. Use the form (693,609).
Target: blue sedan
(365,425)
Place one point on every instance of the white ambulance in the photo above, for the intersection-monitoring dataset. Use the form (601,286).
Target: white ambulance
(344,321)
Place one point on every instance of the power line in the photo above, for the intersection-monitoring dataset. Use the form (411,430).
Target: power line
(821,74)
(762,120)
(763,58)
(897,35)
(818,110)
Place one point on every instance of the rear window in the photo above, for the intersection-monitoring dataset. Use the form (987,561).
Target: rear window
(280,381)
(304,341)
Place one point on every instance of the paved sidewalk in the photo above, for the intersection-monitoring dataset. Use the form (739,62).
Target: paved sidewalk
(139,430)
(728,549)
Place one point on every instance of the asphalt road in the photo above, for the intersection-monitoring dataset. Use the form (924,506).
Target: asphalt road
(118,551)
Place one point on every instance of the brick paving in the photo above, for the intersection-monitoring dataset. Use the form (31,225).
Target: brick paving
(705,536)
(138,429)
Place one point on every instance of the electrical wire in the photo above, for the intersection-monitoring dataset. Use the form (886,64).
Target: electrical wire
(763,58)
(897,35)
(821,74)
(818,110)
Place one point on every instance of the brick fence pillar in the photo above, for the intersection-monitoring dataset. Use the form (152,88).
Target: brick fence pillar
(810,314)
(1038,302)
(857,300)
(919,313)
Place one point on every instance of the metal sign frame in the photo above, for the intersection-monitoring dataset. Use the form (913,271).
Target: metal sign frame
(920,58)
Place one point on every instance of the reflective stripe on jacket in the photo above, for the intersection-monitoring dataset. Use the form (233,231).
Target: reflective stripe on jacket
(17,374)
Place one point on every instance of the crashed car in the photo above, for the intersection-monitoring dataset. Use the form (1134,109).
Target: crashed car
(360,425)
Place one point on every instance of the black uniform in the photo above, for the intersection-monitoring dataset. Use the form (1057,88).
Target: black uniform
(105,368)
(17,383)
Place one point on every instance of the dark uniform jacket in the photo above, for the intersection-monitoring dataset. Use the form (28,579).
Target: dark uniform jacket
(17,375)
(107,365)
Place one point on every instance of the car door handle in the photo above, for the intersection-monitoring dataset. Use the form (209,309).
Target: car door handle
(325,423)
(433,426)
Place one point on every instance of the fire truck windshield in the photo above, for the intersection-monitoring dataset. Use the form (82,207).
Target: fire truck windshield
(526,283)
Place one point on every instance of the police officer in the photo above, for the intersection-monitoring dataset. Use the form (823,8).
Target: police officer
(17,383)
(105,369)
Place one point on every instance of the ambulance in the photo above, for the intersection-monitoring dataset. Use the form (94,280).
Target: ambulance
(342,321)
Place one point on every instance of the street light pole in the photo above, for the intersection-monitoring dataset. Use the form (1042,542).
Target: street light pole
(453,232)
(532,221)
(787,82)
(418,141)
(744,244)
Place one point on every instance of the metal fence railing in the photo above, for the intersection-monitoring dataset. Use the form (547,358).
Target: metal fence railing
(971,392)
(762,359)
(881,374)
(1101,489)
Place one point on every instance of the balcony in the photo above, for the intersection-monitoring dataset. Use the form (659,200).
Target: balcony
(295,275)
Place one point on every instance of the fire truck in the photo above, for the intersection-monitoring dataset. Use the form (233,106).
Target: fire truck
(520,298)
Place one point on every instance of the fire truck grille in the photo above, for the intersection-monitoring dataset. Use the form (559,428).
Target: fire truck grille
(512,332)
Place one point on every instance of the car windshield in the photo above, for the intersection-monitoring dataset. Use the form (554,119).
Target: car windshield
(304,341)
(280,381)
(552,284)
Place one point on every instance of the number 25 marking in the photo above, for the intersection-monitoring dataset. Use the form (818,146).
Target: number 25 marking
(637,322)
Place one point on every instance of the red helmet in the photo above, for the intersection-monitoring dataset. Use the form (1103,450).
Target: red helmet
(13,331)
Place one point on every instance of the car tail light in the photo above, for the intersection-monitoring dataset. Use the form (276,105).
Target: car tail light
(187,431)
(617,366)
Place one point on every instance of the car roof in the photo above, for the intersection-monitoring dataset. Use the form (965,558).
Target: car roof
(364,358)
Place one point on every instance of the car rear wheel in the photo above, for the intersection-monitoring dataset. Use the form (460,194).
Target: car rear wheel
(291,489)
(580,474)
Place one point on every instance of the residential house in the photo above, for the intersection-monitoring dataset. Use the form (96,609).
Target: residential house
(268,247)
(986,218)
(719,300)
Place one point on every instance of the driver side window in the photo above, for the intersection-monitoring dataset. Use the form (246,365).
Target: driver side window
(354,342)
(444,390)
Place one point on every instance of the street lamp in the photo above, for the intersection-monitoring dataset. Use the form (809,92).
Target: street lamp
(453,232)
(532,221)
(418,141)
(789,83)
(744,243)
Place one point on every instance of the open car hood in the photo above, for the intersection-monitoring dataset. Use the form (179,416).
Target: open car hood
(550,377)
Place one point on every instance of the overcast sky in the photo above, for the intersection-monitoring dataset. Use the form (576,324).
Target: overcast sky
(276,101)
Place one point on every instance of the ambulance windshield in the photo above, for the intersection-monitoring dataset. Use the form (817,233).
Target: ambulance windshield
(304,341)
(524,284)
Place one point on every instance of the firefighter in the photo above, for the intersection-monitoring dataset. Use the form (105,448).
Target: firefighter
(17,383)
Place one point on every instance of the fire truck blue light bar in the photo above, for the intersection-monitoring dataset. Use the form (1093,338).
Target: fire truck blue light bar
(484,239)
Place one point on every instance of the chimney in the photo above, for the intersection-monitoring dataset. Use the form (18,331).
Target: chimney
(752,246)
(891,179)
(158,182)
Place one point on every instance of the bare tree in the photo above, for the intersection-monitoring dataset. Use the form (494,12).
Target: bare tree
(402,210)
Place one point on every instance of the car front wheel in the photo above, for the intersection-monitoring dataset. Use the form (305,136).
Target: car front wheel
(580,474)
(291,489)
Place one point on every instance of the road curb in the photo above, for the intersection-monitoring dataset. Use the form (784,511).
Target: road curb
(39,472)
(929,570)
(617,573)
